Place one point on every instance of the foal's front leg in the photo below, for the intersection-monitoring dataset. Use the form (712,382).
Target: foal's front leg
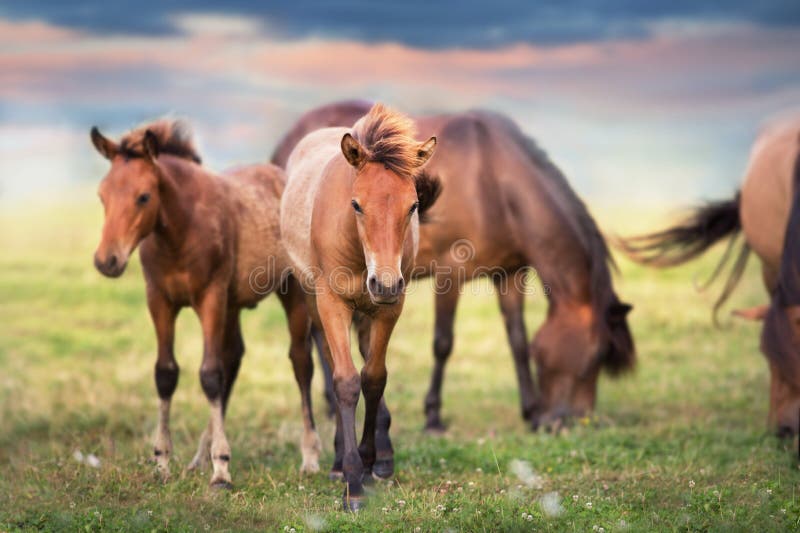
(211,309)
(163,314)
(373,383)
(336,316)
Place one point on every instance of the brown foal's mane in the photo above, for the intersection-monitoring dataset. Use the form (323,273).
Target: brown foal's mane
(174,138)
(388,137)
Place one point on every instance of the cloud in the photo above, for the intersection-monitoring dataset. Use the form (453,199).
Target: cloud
(420,24)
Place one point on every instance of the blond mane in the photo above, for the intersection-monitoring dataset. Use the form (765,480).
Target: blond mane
(388,137)
(174,138)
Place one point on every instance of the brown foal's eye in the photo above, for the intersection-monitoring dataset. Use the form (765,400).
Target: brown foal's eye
(414,207)
(356,207)
(142,199)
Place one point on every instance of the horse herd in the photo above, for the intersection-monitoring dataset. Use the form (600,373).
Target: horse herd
(358,200)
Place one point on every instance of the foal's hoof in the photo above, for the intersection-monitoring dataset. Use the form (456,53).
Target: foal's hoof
(435,428)
(336,475)
(221,484)
(383,468)
(353,503)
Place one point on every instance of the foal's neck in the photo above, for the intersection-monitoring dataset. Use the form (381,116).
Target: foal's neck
(175,211)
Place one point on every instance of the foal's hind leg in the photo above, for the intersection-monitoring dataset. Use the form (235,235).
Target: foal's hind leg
(163,314)
(512,300)
(325,368)
(303,366)
(442,346)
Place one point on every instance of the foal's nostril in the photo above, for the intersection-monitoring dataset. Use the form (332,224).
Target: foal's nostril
(112,261)
(401,283)
(372,283)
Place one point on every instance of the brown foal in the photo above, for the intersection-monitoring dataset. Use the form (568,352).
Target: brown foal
(208,242)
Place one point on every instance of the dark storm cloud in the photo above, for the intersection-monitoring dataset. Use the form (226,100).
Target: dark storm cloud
(421,24)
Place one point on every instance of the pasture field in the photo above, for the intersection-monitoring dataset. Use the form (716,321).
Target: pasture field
(678,445)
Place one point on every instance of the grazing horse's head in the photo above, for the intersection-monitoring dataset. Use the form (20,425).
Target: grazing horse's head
(389,192)
(130,190)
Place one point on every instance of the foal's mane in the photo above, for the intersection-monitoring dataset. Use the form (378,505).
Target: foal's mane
(174,137)
(388,137)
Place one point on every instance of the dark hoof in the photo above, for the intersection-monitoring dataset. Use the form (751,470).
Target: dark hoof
(353,503)
(221,485)
(435,428)
(336,475)
(383,468)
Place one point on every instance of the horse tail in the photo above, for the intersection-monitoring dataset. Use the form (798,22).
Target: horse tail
(779,342)
(704,227)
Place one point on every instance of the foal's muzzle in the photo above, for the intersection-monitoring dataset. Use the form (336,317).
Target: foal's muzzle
(382,293)
(111,266)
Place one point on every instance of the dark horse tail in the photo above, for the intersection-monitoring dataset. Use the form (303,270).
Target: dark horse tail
(617,351)
(703,228)
(779,341)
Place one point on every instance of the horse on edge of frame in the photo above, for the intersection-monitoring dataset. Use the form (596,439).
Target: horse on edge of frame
(767,211)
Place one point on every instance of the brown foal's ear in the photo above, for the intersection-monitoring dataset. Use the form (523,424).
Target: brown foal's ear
(106,147)
(150,145)
(425,151)
(353,151)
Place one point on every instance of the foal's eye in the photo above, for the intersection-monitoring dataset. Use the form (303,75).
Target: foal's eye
(356,207)
(414,207)
(142,199)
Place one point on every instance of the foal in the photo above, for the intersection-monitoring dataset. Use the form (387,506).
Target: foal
(208,242)
(350,222)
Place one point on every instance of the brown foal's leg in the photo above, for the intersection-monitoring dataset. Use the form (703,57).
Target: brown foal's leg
(233,351)
(211,309)
(336,316)
(373,383)
(384,460)
(300,355)
(163,314)
(442,346)
(512,300)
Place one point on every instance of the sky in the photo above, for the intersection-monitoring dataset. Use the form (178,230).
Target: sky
(637,102)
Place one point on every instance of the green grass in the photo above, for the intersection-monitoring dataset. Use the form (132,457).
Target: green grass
(678,445)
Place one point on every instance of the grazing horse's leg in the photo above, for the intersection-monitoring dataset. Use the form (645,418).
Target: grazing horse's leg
(373,383)
(384,461)
(512,300)
(336,317)
(211,309)
(303,365)
(163,314)
(442,346)
(327,373)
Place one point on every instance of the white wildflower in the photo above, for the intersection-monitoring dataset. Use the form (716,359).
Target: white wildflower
(78,456)
(691,483)
(588,505)
(92,461)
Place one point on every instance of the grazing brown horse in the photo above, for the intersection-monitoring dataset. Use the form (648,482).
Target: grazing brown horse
(767,211)
(350,222)
(505,206)
(208,242)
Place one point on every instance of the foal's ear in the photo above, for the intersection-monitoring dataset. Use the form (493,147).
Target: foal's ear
(150,145)
(425,150)
(106,147)
(353,151)
(618,311)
